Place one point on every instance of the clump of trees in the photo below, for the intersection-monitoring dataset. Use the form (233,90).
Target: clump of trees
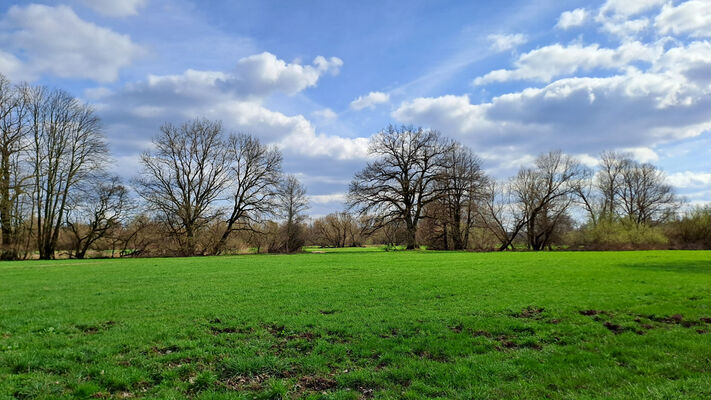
(203,191)
(435,191)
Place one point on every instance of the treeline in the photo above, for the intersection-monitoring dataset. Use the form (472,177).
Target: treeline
(203,191)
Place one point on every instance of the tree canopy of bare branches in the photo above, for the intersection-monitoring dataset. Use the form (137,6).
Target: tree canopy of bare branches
(254,174)
(401,182)
(183,176)
(544,194)
(67,146)
(99,209)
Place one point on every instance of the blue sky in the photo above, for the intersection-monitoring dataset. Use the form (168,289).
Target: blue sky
(317,78)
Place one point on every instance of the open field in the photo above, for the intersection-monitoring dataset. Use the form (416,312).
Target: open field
(360,324)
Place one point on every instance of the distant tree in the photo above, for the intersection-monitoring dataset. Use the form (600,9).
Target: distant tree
(66,147)
(624,188)
(401,182)
(337,230)
(544,194)
(99,209)
(183,177)
(254,175)
(497,214)
(291,204)
(461,182)
(643,194)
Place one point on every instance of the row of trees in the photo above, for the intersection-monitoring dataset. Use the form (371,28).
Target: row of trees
(201,190)
(196,180)
(421,177)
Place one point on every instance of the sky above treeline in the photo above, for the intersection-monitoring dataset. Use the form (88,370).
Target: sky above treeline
(318,78)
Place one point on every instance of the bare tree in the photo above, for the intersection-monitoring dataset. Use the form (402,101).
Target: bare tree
(625,188)
(99,209)
(461,183)
(336,230)
(644,196)
(497,213)
(292,202)
(543,194)
(14,177)
(182,178)
(401,182)
(254,175)
(67,147)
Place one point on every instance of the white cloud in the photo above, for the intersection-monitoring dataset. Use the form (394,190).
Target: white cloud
(691,18)
(264,73)
(55,40)
(236,98)
(325,114)
(628,8)
(570,19)
(501,42)
(689,179)
(115,8)
(328,198)
(579,115)
(641,154)
(12,68)
(551,61)
(370,100)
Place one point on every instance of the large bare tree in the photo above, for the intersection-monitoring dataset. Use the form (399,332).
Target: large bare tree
(401,181)
(544,194)
(254,175)
(183,176)
(67,146)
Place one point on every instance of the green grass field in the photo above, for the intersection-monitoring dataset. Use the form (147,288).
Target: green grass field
(360,324)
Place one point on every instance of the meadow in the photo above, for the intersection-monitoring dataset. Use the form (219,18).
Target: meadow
(360,323)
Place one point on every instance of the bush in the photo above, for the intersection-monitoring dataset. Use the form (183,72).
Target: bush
(621,235)
(693,230)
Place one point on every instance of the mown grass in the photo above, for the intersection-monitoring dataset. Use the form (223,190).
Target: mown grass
(360,324)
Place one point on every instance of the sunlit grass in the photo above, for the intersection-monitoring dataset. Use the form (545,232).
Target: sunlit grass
(354,323)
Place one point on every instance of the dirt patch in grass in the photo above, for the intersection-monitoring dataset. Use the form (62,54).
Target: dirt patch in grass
(614,328)
(507,343)
(241,382)
(530,312)
(316,383)
(593,312)
(93,329)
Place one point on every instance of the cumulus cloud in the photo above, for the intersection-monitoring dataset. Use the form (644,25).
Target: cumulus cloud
(54,40)
(236,97)
(628,8)
(570,19)
(370,100)
(551,61)
(115,8)
(689,179)
(501,42)
(634,111)
(691,18)
(262,74)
